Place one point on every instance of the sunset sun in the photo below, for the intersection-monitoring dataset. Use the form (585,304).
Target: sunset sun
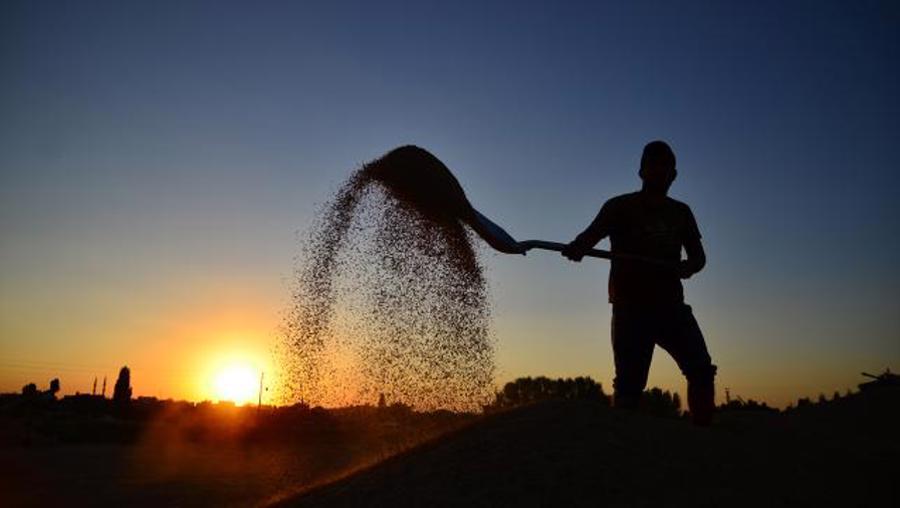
(238,383)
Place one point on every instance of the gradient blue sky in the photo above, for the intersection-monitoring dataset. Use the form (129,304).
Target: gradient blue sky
(157,160)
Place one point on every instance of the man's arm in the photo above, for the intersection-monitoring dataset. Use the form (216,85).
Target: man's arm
(696,258)
(596,231)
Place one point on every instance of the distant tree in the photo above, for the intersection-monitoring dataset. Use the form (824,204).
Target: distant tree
(739,404)
(381,401)
(30,390)
(802,402)
(399,410)
(54,387)
(836,396)
(122,390)
(822,398)
(528,390)
(661,403)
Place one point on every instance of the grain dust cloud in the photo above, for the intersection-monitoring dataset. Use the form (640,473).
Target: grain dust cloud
(389,296)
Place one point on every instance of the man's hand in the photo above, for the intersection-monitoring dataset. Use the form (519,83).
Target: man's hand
(573,252)
(696,258)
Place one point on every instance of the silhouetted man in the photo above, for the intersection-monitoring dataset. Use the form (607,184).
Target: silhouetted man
(647,298)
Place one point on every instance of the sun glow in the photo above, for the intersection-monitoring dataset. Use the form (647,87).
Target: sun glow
(238,383)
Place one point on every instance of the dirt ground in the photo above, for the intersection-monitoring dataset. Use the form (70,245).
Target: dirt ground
(190,461)
(197,475)
(560,453)
(582,454)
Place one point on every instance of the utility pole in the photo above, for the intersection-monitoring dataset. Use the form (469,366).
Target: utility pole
(94,389)
(104,387)
(259,401)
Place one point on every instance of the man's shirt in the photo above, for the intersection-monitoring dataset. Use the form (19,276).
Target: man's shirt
(646,226)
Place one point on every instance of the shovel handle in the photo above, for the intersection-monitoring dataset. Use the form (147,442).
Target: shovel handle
(594,253)
(558,247)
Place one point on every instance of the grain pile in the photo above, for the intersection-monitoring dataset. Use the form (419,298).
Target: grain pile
(390,297)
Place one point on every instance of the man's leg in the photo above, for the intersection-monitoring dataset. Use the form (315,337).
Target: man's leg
(684,341)
(633,351)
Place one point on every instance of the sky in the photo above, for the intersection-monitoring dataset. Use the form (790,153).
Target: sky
(161,161)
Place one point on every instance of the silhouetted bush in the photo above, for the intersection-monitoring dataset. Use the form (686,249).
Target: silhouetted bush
(528,390)
(739,404)
(661,403)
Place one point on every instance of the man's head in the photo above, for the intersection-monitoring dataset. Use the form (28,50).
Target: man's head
(657,166)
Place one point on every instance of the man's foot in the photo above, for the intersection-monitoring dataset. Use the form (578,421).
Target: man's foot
(702,403)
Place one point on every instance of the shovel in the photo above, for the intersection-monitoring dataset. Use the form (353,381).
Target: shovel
(500,240)
(421,179)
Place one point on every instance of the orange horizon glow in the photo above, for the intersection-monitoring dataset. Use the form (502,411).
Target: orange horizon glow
(181,352)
